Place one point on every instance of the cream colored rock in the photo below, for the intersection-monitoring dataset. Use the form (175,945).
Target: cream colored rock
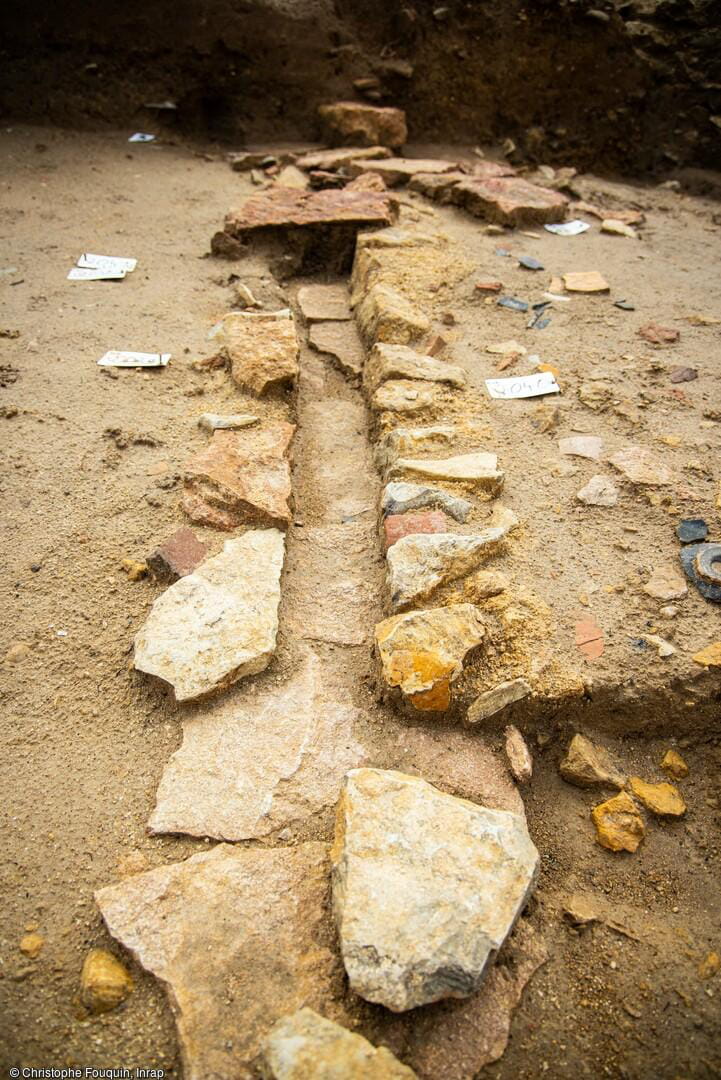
(479,470)
(292,177)
(233,422)
(399,237)
(641,466)
(585,446)
(398,170)
(426,888)
(586,765)
(422,652)
(306,1046)
(319,303)
(336,159)
(402,441)
(493,701)
(589,281)
(219,623)
(666,583)
(518,755)
(252,765)
(239,936)
(105,983)
(399,362)
(385,315)
(406,396)
(418,564)
(618,228)
(262,349)
(599,491)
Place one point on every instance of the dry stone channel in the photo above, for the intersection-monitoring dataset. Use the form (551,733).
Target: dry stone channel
(341,544)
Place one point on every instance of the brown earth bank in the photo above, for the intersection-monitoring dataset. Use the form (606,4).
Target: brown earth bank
(630,85)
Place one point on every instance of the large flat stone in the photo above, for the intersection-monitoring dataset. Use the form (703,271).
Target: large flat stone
(262,350)
(455,877)
(321,302)
(479,470)
(342,342)
(399,362)
(421,653)
(385,315)
(254,764)
(409,441)
(398,170)
(219,623)
(240,938)
(241,477)
(306,1046)
(510,201)
(436,186)
(406,396)
(283,208)
(347,123)
(328,160)
(419,564)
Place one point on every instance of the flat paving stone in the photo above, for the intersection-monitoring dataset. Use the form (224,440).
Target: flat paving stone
(342,342)
(283,208)
(509,200)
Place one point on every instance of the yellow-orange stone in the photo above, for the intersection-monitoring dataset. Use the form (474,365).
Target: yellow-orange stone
(674,765)
(619,825)
(710,656)
(31,945)
(662,799)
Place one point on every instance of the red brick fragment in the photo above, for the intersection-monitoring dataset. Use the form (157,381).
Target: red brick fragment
(489,286)
(396,526)
(178,556)
(589,638)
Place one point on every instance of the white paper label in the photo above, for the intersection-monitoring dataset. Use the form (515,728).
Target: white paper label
(568,228)
(523,386)
(133,359)
(85,273)
(106,262)
(140,136)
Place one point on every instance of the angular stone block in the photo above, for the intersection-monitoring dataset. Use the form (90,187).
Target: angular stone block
(510,201)
(346,123)
(385,315)
(399,362)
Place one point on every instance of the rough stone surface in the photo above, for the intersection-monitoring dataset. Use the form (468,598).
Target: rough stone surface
(479,470)
(340,156)
(674,765)
(218,624)
(422,652)
(398,498)
(240,938)
(436,186)
(397,170)
(510,201)
(493,701)
(662,799)
(599,491)
(342,342)
(214,422)
(399,362)
(306,1046)
(519,757)
(406,441)
(262,351)
(585,281)
(104,983)
(585,446)
(444,909)
(241,477)
(178,556)
(385,315)
(641,466)
(619,825)
(666,583)
(323,302)
(396,526)
(251,765)
(418,565)
(405,396)
(283,208)
(348,123)
(586,765)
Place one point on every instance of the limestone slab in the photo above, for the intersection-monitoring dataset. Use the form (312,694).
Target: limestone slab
(306,1046)
(436,186)
(406,396)
(407,441)
(493,701)
(241,477)
(398,170)
(478,469)
(282,208)
(350,122)
(219,623)
(340,156)
(323,302)
(398,498)
(387,316)
(421,653)
(262,350)
(509,200)
(599,491)
(400,362)
(257,763)
(342,342)
(239,937)
(455,877)
(641,466)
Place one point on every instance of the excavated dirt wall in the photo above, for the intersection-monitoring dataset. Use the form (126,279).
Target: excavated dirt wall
(609,85)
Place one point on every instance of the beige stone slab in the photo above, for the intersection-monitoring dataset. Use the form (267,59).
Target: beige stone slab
(256,763)
(400,362)
(406,396)
(341,341)
(262,352)
(478,469)
(324,302)
(386,315)
(420,563)
(340,156)
(397,170)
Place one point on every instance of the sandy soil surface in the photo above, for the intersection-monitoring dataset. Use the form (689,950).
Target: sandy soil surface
(91,476)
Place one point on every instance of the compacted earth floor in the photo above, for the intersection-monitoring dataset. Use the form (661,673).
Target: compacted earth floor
(91,469)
